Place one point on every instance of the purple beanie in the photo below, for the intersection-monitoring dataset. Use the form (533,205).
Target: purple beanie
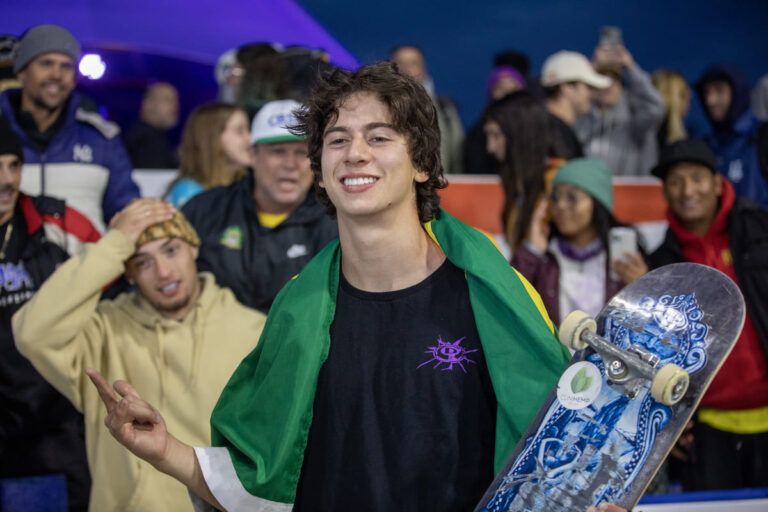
(504,71)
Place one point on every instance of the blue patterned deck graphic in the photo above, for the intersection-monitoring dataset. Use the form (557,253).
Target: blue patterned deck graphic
(593,453)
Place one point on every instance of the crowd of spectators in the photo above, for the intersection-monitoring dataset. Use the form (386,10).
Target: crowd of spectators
(172,292)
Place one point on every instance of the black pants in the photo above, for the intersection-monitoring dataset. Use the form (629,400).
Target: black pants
(721,460)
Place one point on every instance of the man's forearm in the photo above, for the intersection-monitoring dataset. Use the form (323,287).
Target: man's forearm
(181,463)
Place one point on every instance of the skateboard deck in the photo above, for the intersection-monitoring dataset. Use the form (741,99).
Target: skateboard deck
(599,440)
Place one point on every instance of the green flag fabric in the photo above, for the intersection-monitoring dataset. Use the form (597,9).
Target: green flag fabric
(264,413)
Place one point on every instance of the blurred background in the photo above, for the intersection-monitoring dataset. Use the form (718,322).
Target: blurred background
(141,42)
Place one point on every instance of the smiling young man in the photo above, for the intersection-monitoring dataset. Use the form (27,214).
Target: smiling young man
(178,337)
(69,153)
(267,226)
(708,224)
(400,367)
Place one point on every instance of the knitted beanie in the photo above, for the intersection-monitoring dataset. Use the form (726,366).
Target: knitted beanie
(45,39)
(590,175)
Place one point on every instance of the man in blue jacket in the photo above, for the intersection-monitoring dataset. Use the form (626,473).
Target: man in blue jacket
(735,136)
(69,152)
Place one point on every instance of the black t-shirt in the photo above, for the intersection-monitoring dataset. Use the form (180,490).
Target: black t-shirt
(405,414)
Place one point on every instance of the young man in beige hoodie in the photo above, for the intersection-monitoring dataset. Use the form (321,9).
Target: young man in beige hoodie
(178,338)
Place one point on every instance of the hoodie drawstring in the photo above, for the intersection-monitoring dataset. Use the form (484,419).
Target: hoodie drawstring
(198,335)
(197,331)
(161,364)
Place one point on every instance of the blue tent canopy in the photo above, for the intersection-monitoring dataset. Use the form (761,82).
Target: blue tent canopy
(177,41)
(195,30)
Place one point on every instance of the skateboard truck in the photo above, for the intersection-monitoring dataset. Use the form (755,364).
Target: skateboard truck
(629,368)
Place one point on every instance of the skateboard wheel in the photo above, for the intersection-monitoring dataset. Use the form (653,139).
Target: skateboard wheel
(572,326)
(669,384)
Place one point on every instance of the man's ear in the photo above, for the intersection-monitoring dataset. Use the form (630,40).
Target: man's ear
(718,184)
(421,177)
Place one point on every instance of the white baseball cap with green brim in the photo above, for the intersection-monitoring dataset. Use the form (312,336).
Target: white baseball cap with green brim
(270,126)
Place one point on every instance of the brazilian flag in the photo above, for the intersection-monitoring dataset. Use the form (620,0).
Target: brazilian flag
(264,414)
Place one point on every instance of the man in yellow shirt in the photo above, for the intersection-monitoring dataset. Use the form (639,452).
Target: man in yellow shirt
(260,231)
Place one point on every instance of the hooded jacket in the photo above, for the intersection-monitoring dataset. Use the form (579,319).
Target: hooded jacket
(624,136)
(84,162)
(744,227)
(178,366)
(734,139)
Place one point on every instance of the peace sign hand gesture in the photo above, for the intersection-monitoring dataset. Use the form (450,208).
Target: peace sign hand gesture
(132,421)
(141,429)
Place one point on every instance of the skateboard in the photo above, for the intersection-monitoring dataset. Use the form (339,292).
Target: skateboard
(638,373)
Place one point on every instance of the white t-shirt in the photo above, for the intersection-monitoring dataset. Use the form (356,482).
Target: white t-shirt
(582,283)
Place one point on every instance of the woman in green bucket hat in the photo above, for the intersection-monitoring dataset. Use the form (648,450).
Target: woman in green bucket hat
(567,258)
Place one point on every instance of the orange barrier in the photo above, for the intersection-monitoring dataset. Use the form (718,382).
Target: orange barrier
(477,200)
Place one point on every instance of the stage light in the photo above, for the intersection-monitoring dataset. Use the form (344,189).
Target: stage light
(92,66)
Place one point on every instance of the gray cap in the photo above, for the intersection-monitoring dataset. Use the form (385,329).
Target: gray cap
(45,39)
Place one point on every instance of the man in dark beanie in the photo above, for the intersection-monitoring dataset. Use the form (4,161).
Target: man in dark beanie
(40,432)
(709,225)
(69,152)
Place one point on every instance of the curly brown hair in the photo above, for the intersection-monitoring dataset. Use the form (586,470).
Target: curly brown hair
(413,115)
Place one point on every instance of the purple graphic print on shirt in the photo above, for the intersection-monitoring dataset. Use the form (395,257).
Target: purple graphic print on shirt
(449,354)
